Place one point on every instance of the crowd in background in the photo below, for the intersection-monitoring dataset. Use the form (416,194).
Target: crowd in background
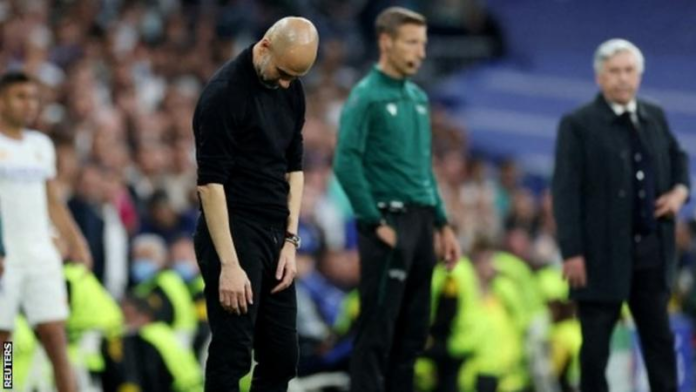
(119,82)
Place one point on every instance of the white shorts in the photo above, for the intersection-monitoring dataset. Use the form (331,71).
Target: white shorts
(36,285)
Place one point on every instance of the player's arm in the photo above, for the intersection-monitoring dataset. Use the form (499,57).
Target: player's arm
(64,222)
(2,250)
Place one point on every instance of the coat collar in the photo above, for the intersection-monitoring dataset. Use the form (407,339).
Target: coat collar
(608,113)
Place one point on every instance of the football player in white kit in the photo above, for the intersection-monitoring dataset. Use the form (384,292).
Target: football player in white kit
(29,204)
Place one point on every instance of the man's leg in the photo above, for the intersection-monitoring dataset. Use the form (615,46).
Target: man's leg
(410,335)
(54,341)
(411,330)
(382,284)
(380,301)
(10,283)
(229,353)
(648,304)
(8,306)
(486,384)
(276,347)
(276,342)
(597,322)
(448,374)
(45,303)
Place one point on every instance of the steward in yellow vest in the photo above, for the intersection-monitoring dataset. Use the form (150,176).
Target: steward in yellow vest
(148,357)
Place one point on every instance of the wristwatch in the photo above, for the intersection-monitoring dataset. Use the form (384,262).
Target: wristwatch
(293,239)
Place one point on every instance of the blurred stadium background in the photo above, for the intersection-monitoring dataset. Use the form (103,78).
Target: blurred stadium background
(120,79)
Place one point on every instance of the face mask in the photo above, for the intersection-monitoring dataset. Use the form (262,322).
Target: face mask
(143,269)
(184,269)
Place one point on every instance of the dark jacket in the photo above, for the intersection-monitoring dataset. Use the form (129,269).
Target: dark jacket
(593,188)
(89,219)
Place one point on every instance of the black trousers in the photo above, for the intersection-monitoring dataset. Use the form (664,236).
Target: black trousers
(448,370)
(269,327)
(648,304)
(394,303)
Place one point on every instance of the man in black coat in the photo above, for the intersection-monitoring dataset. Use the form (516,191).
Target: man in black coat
(620,180)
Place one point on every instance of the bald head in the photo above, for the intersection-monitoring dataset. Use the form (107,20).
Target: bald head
(288,50)
(293,32)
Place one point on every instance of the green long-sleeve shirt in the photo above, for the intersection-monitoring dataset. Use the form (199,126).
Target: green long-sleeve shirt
(384,147)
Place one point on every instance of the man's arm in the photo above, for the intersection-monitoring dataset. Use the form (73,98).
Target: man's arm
(567,189)
(348,162)
(451,251)
(671,202)
(61,218)
(214,203)
(679,161)
(235,288)
(2,251)
(287,267)
(294,156)
(296,181)
(214,125)
(440,213)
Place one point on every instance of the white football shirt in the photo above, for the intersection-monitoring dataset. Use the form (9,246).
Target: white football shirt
(25,166)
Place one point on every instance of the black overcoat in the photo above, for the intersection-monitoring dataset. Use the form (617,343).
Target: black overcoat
(593,188)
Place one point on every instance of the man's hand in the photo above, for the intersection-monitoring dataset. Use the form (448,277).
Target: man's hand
(235,289)
(2,265)
(451,251)
(80,253)
(287,267)
(669,204)
(64,222)
(574,271)
(386,234)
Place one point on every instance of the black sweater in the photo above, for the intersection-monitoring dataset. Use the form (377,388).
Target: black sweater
(247,138)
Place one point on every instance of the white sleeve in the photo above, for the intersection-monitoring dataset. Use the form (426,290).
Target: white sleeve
(51,159)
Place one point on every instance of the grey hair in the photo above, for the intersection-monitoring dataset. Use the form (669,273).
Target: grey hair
(154,242)
(609,49)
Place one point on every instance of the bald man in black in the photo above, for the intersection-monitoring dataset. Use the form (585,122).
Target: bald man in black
(248,131)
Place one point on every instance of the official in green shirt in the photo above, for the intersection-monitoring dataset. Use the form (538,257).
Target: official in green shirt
(384,163)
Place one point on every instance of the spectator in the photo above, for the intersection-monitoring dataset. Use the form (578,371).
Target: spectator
(165,291)
(85,206)
(148,356)
(163,220)
(182,257)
